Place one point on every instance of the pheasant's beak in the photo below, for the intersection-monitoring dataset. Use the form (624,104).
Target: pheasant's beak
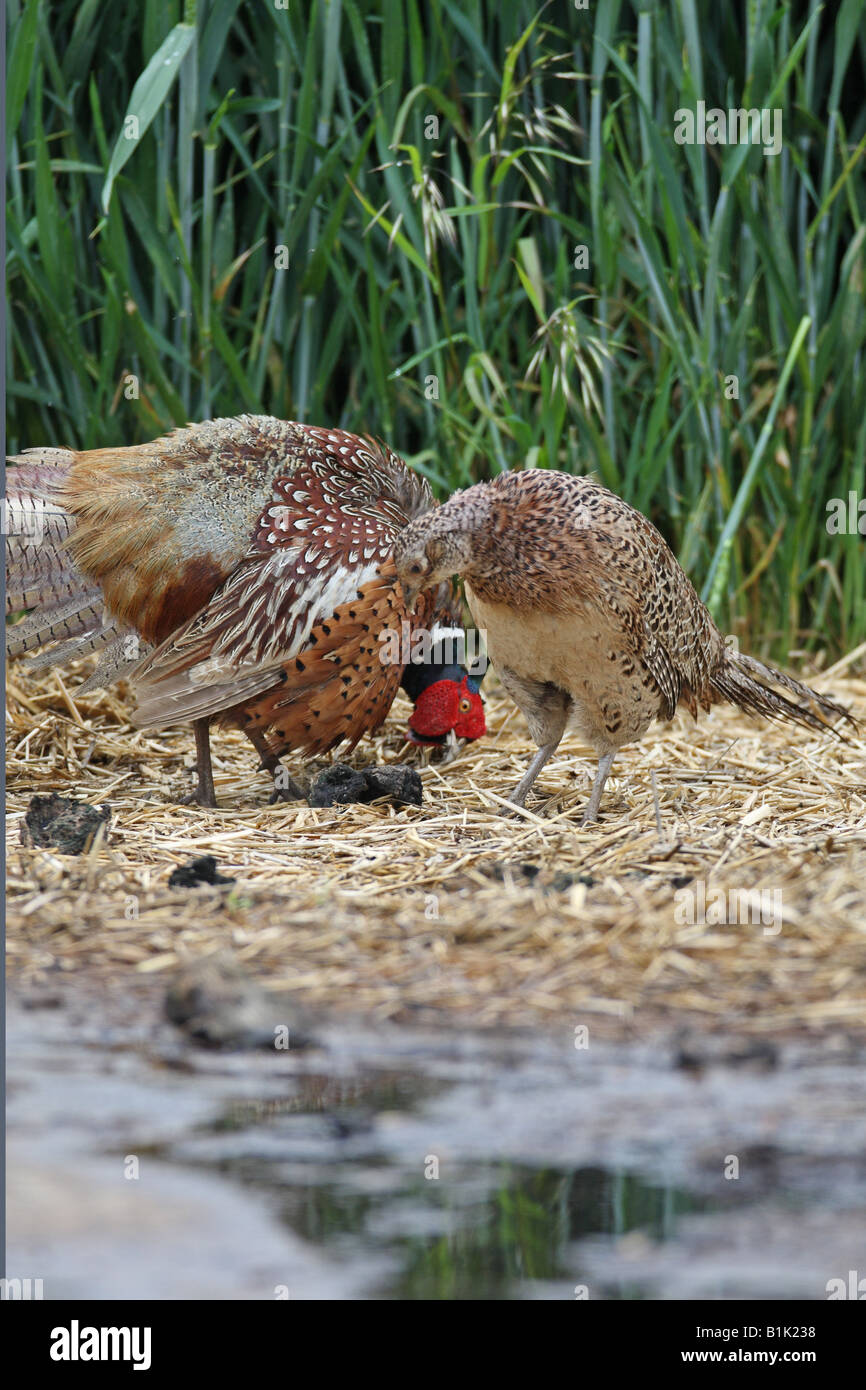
(426,740)
(410,594)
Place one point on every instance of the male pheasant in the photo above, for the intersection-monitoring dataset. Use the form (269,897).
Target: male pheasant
(589,618)
(238,569)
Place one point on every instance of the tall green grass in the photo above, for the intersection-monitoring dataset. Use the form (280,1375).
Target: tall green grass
(433,292)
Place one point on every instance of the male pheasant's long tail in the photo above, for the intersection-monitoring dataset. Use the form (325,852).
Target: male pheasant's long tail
(749,684)
(41,575)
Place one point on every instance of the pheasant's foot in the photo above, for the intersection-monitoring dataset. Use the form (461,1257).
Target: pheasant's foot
(202,796)
(285,789)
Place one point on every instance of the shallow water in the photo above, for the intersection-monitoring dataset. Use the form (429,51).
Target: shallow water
(391,1164)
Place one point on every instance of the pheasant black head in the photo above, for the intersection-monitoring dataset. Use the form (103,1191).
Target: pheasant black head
(446,694)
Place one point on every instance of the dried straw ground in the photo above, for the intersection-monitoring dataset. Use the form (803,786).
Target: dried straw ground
(431,913)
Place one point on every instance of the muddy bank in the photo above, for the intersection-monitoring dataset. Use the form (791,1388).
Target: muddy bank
(390,1162)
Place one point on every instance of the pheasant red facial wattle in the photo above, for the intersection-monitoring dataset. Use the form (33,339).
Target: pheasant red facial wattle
(447,705)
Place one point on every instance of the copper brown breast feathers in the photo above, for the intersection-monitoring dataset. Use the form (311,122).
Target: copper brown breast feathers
(589,619)
(238,569)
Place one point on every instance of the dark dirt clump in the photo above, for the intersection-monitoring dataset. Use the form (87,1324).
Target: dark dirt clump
(58,822)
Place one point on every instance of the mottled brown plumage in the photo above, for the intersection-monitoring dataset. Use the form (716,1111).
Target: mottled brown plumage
(590,620)
(238,569)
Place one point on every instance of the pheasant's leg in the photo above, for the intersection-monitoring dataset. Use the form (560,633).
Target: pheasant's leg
(518,796)
(604,766)
(547,708)
(205,794)
(285,787)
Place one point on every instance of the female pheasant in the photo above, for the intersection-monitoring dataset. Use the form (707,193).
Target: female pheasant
(589,618)
(238,569)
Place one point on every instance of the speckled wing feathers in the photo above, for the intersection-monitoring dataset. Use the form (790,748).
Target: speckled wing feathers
(247,558)
(338,687)
(323,535)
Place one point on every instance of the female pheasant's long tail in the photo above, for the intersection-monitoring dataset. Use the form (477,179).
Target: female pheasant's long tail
(41,575)
(749,684)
